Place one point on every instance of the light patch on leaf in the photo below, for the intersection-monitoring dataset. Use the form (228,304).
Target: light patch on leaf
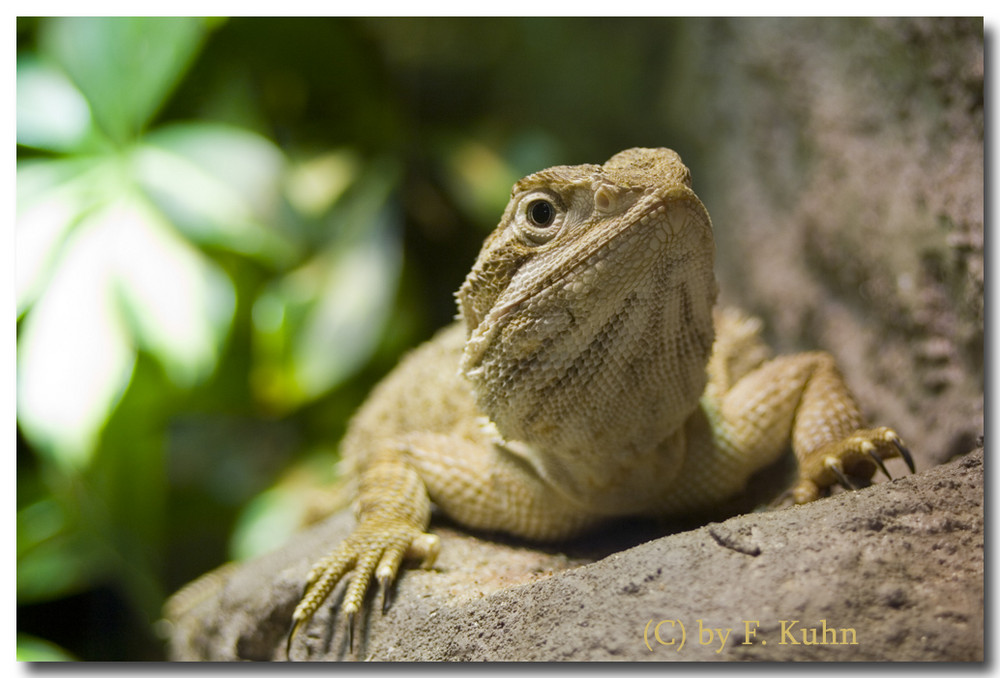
(74,356)
(32,649)
(51,112)
(125,66)
(479,179)
(353,302)
(179,302)
(266,523)
(217,184)
(314,186)
(51,196)
(318,324)
(76,349)
(249,165)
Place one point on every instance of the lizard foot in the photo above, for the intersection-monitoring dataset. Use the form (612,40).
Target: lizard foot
(849,460)
(375,549)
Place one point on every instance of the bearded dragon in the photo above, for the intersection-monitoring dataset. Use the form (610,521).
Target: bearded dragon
(588,376)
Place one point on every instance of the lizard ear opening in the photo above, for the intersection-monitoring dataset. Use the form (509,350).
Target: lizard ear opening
(605,200)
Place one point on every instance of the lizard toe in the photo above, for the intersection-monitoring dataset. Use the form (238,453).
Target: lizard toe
(850,462)
(374,551)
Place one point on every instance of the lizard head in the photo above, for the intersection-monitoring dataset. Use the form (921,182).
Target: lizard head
(597,283)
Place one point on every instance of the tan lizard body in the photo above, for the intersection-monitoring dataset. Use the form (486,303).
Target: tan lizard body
(587,377)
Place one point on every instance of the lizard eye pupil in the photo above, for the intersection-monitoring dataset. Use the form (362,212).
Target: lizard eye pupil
(541,213)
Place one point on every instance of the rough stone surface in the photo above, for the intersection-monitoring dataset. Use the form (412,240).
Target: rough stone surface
(898,567)
(842,163)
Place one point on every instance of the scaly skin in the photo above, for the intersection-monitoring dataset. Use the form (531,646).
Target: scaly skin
(588,377)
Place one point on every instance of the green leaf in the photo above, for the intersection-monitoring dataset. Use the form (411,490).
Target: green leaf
(266,523)
(124,66)
(217,184)
(352,305)
(320,323)
(37,523)
(74,354)
(34,649)
(76,350)
(303,492)
(178,302)
(54,558)
(51,112)
(52,195)
(479,179)
(315,185)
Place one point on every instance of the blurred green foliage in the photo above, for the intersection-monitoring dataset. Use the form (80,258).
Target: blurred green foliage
(227,231)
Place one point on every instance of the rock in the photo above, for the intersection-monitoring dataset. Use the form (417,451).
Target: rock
(890,572)
(842,163)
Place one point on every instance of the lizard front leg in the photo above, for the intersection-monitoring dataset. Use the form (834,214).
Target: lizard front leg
(802,399)
(830,438)
(393,512)
(490,486)
(479,484)
(754,408)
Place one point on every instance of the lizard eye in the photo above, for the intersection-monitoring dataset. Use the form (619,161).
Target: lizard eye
(539,217)
(541,213)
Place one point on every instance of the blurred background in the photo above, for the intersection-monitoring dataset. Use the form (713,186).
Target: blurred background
(227,231)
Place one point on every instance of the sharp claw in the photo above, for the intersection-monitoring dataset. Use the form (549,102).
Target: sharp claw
(844,480)
(878,461)
(905,454)
(385,585)
(291,636)
(350,631)
(787,495)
